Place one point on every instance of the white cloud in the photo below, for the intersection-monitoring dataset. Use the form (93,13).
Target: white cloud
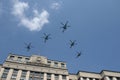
(34,24)
(55,5)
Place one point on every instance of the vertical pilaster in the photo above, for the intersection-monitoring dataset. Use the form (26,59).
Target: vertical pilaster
(107,78)
(60,77)
(1,72)
(81,78)
(87,79)
(93,78)
(19,75)
(52,77)
(27,75)
(114,78)
(45,76)
(9,74)
(67,77)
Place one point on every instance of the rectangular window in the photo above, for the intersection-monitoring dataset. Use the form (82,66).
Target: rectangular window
(27,59)
(11,57)
(56,76)
(49,62)
(63,77)
(48,76)
(56,64)
(6,70)
(23,78)
(36,75)
(19,59)
(62,65)
(4,75)
(13,77)
(23,75)
(30,78)
(24,72)
(15,71)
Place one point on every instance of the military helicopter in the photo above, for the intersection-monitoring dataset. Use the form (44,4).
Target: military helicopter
(46,37)
(78,54)
(28,46)
(65,26)
(72,43)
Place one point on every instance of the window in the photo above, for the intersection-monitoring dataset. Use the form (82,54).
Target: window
(24,72)
(19,59)
(15,71)
(41,76)
(6,70)
(11,57)
(56,64)
(30,78)
(49,62)
(36,78)
(27,59)
(23,75)
(4,75)
(13,77)
(56,76)
(36,75)
(23,78)
(48,76)
(62,65)
(64,77)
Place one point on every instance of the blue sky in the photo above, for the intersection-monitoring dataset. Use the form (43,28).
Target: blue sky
(94,24)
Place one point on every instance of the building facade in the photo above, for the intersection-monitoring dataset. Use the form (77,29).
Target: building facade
(18,67)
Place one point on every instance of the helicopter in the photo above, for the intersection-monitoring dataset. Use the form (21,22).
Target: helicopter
(78,54)
(65,26)
(72,43)
(28,46)
(46,37)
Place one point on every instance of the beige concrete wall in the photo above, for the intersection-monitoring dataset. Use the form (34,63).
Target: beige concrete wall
(90,75)
(110,73)
(73,76)
(36,68)
(35,59)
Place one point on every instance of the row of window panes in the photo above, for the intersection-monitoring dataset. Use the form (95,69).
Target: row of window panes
(41,75)
(5,73)
(56,76)
(56,64)
(15,71)
(14,75)
(35,78)
(24,72)
(6,70)
(85,78)
(18,58)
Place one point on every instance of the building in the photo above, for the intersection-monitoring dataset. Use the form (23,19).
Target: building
(18,67)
